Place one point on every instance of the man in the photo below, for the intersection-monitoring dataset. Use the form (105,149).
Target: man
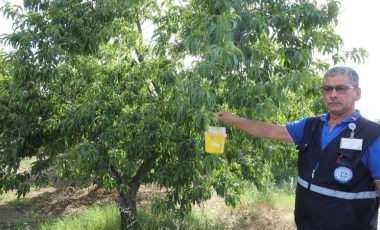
(339,158)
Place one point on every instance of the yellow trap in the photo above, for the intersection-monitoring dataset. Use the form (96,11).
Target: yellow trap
(215,138)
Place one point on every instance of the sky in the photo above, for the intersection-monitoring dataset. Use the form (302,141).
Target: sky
(357,27)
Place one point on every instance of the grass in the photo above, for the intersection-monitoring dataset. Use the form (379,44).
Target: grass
(92,218)
(107,217)
(5,196)
(215,216)
(27,162)
(211,215)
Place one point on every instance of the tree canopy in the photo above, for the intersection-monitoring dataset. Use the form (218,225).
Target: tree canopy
(121,92)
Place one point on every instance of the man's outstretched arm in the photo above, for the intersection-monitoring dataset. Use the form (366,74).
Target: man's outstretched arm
(256,128)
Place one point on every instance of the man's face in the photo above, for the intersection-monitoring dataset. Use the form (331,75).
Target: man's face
(339,95)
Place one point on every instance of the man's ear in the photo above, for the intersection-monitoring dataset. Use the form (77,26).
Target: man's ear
(358,92)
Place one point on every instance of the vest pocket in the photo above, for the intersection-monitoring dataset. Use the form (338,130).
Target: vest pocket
(349,158)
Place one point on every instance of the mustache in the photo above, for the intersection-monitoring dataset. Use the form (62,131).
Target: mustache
(333,102)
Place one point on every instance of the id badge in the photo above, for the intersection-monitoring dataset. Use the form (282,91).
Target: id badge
(351,143)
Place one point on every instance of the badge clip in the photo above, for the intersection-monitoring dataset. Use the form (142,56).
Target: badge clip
(352,126)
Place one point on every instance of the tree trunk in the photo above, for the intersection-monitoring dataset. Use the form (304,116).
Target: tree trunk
(128,209)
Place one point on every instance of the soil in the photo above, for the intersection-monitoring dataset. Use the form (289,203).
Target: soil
(51,203)
(62,200)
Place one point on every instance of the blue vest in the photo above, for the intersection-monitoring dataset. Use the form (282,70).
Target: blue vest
(335,190)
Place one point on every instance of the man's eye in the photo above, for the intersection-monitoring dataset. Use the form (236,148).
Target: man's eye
(327,88)
(341,88)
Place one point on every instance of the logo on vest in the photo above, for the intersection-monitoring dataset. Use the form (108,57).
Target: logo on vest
(343,175)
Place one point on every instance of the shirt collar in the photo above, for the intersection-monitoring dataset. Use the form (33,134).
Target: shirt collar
(353,118)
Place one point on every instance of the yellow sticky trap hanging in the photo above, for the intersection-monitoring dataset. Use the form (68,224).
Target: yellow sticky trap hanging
(215,138)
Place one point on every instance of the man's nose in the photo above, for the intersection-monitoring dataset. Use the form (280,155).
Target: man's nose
(334,93)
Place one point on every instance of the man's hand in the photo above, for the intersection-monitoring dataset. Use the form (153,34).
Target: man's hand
(227,118)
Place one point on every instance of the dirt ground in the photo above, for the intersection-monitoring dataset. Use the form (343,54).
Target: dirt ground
(58,201)
(61,200)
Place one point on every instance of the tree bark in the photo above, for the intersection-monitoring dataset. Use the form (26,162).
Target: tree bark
(128,209)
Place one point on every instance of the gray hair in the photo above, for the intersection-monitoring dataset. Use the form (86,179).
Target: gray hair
(352,75)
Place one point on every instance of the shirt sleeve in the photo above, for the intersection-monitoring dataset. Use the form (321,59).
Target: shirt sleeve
(295,130)
(372,159)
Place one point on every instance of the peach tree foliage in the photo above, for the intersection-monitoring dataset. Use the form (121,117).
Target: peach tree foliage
(121,92)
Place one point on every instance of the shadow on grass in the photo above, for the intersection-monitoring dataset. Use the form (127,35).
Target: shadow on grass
(50,203)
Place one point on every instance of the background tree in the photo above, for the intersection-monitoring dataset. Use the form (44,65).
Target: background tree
(90,92)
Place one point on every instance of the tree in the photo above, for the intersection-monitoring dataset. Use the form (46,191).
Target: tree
(88,93)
